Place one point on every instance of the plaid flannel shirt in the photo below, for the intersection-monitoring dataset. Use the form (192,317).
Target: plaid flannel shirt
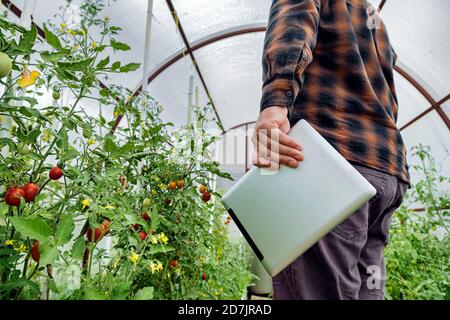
(331,62)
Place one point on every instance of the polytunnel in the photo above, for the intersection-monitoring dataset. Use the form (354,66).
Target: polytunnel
(208,53)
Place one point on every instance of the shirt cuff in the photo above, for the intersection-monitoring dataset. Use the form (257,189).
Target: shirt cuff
(279,92)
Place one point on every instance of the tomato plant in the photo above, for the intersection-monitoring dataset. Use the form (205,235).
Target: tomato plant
(92,213)
(417,255)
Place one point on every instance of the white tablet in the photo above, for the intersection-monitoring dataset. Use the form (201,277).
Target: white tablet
(282,215)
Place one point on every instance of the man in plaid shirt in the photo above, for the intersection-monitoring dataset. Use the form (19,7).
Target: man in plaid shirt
(331,62)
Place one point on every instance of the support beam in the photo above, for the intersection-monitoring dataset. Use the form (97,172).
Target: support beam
(194,61)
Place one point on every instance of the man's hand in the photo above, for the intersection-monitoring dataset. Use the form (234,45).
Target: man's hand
(272,144)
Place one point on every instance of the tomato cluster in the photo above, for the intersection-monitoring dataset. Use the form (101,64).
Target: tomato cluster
(206,195)
(30,190)
(13,195)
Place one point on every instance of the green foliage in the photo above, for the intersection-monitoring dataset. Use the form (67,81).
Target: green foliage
(106,177)
(418,255)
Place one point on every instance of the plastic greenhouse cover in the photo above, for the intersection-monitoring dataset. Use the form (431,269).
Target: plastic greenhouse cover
(231,67)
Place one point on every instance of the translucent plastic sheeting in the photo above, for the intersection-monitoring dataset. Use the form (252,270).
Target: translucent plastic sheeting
(204,17)
(130,16)
(419,34)
(230,152)
(446,108)
(430,131)
(232,70)
(410,101)
(171,89)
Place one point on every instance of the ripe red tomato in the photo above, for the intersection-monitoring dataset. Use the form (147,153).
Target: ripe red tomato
(97,235)
(173,263)
(202,189)
(142,235)
(204,276)
(35,254)
(105,226)
(31,190)
(172,185)
(206,196)
(55,173)
(146,216)
(135,226)
(180,184)
(13,195)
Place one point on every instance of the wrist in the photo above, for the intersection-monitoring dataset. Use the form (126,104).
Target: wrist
(276,110)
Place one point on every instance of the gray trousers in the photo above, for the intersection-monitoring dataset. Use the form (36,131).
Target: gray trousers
(348,263)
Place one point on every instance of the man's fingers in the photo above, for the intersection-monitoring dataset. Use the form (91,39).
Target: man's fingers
(263,156)
(284,139)
(290,152)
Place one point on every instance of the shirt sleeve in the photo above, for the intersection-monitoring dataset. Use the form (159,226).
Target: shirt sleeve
(290,38)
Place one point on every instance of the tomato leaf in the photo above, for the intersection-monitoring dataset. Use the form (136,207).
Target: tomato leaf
(49,253)
(64,229)
(28,39)
(33,227)
(130,67)
(78,248)
(52,39)
(144,294)
(103,63)
(92,294)
(119,45)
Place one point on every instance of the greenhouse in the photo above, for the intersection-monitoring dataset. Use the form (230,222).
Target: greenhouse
(126,126)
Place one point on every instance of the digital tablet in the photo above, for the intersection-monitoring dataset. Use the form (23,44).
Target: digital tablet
(282,214)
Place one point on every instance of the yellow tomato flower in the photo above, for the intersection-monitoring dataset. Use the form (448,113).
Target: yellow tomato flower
(116,114)
(134,257)
(22,248)
(109,207)
(162,186)
(9,242)
(72,32)
(153,240)
(94,45)
(90,141)
(86,202)
(63,25)
(28,78)
(155,267)
(162,238)
(106,19)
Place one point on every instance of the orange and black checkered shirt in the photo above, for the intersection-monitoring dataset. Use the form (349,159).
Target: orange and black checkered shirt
(331,62)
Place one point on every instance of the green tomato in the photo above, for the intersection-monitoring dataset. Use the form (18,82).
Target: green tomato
(23,148)
(5,65)
(56,95)
(147,202)
(87,133)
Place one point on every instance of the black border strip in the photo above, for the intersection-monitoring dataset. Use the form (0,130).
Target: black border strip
(246,235)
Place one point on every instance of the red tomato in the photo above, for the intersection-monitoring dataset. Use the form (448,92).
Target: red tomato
(180,184)
(13,195)
(35,254)
(172,185)
(206,196)
(204,276)
(202,189)
(105,226)
(135,226)
(146,216)
(55,173)
(31,190)
(97,235)
(173,263)
(142,235)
